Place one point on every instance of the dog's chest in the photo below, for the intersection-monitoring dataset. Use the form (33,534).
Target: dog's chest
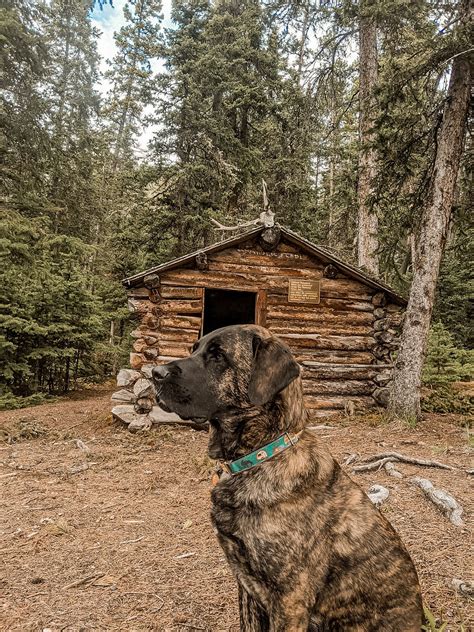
(236,522)
(227,512)
(250,536)
(237,531)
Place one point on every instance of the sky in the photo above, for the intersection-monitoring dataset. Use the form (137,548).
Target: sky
(109,20)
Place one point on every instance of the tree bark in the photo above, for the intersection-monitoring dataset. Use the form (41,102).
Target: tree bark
(431,238)
(303,40)
(367,243)
(124,121)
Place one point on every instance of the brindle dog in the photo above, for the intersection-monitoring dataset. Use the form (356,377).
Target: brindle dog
(307,547)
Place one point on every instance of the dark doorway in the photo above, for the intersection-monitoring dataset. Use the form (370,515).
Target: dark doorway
(227,307)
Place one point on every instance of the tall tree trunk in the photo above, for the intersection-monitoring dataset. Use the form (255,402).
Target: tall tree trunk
(333,239)
(368,69)
(303,40)
(121,127)
(59,122)
(124,117)
(432,234)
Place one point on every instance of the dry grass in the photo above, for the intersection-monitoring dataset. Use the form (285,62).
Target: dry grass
(117,536)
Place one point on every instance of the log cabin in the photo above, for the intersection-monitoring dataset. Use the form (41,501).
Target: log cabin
(341,324)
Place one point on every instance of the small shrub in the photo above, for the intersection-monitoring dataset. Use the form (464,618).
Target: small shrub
(12,402)
(446,363)
(22,430)
(431,624)
(445,399)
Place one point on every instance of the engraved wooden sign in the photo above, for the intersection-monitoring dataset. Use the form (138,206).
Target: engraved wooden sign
(303,291)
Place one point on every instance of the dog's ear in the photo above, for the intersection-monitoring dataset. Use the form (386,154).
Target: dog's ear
(273,369)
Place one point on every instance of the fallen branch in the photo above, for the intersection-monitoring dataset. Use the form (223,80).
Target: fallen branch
(322,427)
(350,459)
(446,503)
(376,465)
(183,556)
(397,456)
(378,460)
(391,470)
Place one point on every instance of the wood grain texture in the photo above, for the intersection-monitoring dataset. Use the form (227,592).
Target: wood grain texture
(338,341)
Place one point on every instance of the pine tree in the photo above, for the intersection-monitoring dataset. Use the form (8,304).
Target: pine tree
(367,232)
(445,362)
(73,105)
(131,75)
(24,141)
(232,113)
(433,229)
(48,318)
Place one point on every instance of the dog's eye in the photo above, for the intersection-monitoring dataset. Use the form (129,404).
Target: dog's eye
(216,354)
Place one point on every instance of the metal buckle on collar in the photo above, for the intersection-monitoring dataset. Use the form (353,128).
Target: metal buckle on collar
(293,440)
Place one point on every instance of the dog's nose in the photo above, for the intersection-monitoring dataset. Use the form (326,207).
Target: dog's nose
(160,372)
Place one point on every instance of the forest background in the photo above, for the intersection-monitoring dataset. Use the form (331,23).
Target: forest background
(337,105)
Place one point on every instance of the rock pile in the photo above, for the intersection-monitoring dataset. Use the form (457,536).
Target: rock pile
(135,402)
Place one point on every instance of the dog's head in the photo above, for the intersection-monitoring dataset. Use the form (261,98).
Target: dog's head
(232,368)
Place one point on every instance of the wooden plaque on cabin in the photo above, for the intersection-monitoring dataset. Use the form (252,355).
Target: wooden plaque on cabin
(303,291)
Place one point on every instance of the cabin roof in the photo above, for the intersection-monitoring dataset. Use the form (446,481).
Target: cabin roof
(318,251)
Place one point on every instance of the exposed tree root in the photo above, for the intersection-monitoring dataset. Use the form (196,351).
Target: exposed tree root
(446,503)
(465,588)
(351,459)
(377,461)
(391,470)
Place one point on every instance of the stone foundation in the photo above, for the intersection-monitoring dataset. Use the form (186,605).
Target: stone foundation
(135,402)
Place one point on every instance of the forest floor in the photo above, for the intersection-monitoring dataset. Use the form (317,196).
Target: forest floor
(117,536)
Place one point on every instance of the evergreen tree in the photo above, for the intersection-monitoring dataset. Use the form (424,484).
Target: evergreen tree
(24,143)
(73,104)
(445,362)
(49,320)
(131,76)
(232,113)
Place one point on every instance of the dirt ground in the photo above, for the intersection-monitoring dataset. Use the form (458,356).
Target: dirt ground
(117,536)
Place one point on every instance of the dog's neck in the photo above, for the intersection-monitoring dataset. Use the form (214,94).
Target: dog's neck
(237,432)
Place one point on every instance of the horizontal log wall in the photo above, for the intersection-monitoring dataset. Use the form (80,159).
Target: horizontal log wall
(344,344)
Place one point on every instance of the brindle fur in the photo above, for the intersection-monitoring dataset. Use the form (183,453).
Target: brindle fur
(308,549)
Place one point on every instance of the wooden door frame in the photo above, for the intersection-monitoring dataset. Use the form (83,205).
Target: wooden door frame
(260,304)
(261,308)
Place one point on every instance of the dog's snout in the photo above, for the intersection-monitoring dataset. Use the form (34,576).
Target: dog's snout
(160,372)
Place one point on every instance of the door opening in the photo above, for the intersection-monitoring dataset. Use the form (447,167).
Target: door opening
(227,307)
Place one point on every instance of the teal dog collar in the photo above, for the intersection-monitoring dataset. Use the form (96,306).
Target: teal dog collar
(262,454)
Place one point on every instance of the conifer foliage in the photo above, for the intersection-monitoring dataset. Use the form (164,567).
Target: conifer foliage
(228,92)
